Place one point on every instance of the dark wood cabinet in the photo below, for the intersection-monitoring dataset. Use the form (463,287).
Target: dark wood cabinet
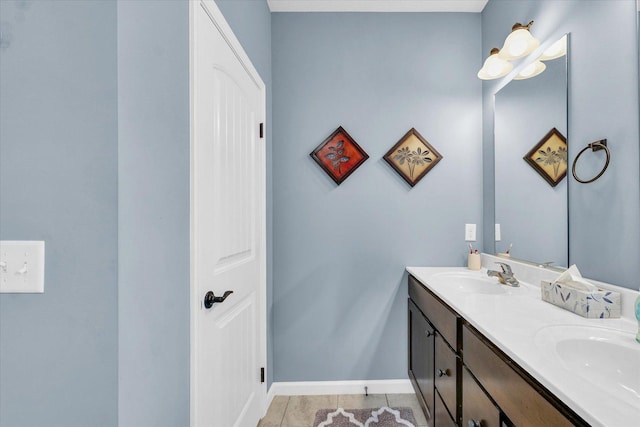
(477,408)
(421,357)
(442,416)
(462,378)
(446,366)
(433,361)
(522,399)
(443,319)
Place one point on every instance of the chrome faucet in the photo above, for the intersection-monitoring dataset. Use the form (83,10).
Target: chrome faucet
(505,276)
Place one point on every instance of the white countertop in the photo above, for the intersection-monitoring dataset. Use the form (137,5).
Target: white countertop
(512,321)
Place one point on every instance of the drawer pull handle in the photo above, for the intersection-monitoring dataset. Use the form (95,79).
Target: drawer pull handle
(443,372)
(428,333)
(474,423)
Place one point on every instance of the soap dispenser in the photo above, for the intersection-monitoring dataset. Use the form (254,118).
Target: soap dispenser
(638,317)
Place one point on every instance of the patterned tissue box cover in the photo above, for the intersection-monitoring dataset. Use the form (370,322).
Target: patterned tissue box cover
(600,304)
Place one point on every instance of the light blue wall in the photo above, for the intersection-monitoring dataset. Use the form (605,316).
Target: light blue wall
(61,70)
(250,21)
(153,213)
(58,183)
(603,103)
(339,297)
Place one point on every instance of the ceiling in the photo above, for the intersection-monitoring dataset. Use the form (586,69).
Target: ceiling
(376,5)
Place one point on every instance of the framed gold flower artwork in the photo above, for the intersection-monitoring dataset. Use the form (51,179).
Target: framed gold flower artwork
(412,157)
(549,157)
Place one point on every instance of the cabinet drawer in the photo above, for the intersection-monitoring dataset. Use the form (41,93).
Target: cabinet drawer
(445,374)
(520,401)
(442,318)
(477,409)
(442,416)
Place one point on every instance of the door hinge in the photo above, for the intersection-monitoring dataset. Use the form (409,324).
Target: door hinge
(261,375)
(261,130)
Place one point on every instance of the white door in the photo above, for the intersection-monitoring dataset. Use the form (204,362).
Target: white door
(228,227)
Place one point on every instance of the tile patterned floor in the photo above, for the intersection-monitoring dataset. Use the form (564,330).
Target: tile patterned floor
(300,411)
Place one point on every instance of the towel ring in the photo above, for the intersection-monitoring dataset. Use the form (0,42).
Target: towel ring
(595,146)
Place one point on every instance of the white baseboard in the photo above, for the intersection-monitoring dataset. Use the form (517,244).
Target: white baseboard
(270,395)
(338,387)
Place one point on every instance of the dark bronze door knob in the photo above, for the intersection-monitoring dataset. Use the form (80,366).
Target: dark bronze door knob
(210,298)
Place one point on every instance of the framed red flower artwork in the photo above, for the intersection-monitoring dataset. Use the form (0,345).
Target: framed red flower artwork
(339,155)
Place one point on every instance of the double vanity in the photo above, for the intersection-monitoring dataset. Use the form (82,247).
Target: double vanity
(487,354)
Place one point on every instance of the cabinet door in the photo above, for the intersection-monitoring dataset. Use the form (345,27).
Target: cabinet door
(446,365)
(477,409)
(421,356)
(438,313)
(442,416)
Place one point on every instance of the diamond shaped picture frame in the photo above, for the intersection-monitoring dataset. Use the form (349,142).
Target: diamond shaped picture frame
(412,157)
(339,155)
(549,157)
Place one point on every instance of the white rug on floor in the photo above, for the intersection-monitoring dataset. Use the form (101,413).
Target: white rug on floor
(373,417)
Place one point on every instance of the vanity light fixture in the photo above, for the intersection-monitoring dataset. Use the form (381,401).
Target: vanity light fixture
(531,70)
(494,67)
(519,43)
(556,50)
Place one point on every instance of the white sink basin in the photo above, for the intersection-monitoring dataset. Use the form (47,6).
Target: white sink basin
(607,358)
(473,282)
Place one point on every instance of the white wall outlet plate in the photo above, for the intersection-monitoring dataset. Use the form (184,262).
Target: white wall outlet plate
(498,233)
(470,232)
(21,266)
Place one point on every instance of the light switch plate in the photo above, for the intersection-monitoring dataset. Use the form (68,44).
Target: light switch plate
(498,233)
(470,232)
(21,266)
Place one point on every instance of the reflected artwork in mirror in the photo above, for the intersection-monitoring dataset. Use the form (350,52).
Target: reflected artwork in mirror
(530,184)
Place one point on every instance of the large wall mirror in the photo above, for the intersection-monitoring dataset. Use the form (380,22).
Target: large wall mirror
(580,96)
(530,128)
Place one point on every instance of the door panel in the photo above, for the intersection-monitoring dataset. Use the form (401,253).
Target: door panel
(234,198)
(228,188)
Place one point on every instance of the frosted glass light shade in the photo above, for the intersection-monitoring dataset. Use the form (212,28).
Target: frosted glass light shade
(556,50)
(519,43)
(494,67)
(531,70)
